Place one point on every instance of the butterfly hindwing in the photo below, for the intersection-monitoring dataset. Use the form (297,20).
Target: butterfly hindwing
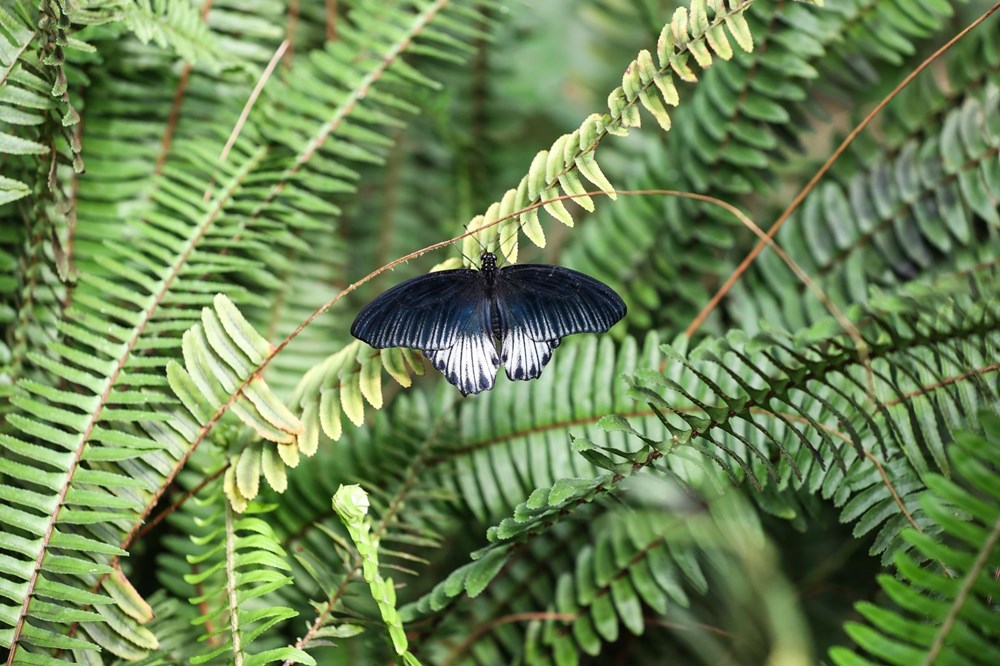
(522,357)
(426,312)
(550,302)
(471,362)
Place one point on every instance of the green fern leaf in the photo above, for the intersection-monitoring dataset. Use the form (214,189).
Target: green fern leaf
(942,600)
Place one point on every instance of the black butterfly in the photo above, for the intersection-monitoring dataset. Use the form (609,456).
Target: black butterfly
(462,318)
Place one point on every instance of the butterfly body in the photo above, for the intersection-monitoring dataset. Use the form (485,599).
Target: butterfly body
(468,322)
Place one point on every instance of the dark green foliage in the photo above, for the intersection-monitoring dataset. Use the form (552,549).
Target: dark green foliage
(177,202)
(940,606)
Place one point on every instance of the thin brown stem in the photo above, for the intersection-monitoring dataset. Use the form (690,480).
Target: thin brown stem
(993,367)
(290,30)
(175,106)
(852,331)
(151,525)
(842,436)
(331,20)
(692,626)
(254,94)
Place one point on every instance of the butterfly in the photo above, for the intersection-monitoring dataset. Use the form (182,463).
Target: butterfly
(468,322)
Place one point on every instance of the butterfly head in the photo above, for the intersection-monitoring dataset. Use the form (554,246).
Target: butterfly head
(487,262)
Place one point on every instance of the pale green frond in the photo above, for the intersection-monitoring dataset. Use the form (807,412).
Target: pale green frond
(344,382)
(554,172)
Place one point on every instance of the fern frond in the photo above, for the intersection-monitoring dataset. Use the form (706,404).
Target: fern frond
(605,571)
(171,625)
(645,83)
(188,238)
(35,109)
(804,399)
(303,284)
(647,563)
(64,431)
(344,382)
(222,355)
(243,562)
(942,597)
(740,126)
(511,444)
(641,559)
(175,25)
(332,112)
(906,215)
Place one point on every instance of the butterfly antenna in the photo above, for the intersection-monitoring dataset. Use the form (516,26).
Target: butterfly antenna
(467,258)
(475,237)
(500,241)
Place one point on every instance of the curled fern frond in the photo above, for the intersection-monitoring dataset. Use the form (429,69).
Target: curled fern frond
(351,504)
(410,516)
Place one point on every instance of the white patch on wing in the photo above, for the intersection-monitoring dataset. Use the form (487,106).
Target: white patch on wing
(522,357)
(470,364)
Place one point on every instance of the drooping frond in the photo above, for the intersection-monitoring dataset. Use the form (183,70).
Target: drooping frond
(40,162)
(647,563)
(344,382)
(205,221)
(584,584)
(222,356)
(941,601)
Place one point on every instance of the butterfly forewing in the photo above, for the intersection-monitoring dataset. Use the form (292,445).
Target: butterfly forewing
(550,302)
(424,313)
